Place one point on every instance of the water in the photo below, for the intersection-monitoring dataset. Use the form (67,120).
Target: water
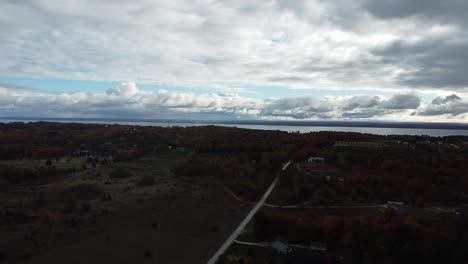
(301,129)
(369,130)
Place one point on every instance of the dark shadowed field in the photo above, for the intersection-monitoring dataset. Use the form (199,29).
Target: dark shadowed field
(169,219)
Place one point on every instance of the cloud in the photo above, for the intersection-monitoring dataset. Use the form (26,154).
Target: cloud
(364,114)
(448,10)
(362,107)
(361,102)
(450,105)
(16,88)
(448,99)
(128,88)
(398,53)
(299,107)
(344,44)
(432,62)
(128,101)
(402,101)
(126,98)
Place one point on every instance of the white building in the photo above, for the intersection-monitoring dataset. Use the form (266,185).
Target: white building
(281,246)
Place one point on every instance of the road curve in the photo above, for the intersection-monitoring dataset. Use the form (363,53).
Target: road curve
(242,225)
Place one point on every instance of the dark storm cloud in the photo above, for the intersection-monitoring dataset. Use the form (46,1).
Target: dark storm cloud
(445,10)
(373,106)
(396,102)
(298,104)
(354,107)
(361,102)
(440,62)
(437,59)
(448,99)
(402,101)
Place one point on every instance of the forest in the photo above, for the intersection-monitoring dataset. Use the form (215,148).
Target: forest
(69,170)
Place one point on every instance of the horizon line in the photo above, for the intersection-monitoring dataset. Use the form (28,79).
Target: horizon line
(331,123)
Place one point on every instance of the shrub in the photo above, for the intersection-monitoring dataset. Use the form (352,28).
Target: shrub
(69,205)
(41,198)
(4,184)
(85,207)
(107,197)
(17,216)
(120,173)
(148,253)
(83,191)
(17,174)
(146,180)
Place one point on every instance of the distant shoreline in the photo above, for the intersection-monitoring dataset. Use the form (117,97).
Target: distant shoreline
(369,124)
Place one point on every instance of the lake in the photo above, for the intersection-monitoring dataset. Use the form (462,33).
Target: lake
(289,128)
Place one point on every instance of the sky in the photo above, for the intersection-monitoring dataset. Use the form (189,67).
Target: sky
(360,60)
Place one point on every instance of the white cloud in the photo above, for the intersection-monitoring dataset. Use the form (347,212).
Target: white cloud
(228,47)
(127,89)
(205,43)
(450,105)
(127,100)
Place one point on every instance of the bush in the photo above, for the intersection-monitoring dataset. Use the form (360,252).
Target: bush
(107,197)
(69,205)
(120,173)
(17,174)
(148,253)
(146,180)
(85,207)
(84,191)
(41,198)
(4,184)
(17,216)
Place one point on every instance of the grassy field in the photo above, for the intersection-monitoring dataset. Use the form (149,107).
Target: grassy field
(159,160)
(64,163)
(172,219)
